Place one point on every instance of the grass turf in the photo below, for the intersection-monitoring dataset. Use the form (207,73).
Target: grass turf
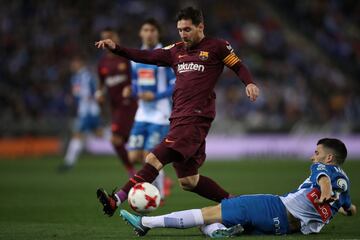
(38,203)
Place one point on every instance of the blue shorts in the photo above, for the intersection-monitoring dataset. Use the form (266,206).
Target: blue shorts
(258,214)
(145,136)
(87,123)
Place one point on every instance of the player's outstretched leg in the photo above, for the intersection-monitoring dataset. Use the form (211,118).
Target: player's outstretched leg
(134,221)
(148,173)
(184,219)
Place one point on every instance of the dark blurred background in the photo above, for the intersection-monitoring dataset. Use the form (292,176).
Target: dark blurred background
(305,56)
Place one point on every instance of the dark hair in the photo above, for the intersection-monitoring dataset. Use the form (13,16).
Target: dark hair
(192,14)
(152,22)
(337,146)
(108,29)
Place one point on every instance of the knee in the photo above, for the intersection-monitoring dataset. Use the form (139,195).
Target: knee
(189,183)
(136,156)
(154,161)
(117,140)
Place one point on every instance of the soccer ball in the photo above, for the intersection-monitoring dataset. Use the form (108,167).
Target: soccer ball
(144,198)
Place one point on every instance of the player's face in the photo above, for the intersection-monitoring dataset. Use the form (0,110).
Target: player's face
(75,65)
(110,35)
(321,155)
(190,33)
(149,35)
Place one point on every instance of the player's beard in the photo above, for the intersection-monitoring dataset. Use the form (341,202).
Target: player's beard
(188,43)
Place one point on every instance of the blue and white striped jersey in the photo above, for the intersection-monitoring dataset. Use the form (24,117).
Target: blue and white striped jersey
(301,205)
(160,81)
(83,88)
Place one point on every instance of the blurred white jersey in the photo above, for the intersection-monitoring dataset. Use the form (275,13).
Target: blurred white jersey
(83,88)
(158,80)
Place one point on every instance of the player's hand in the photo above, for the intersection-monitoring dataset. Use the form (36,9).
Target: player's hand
(147,96)
(252,91)
(99,96)
(106,43)
(126,93)
(325,198)
(350,212)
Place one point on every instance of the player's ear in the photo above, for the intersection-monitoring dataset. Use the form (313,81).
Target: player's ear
(330,158)
(201,26)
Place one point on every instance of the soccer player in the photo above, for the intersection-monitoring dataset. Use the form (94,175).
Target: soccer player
(83,89)
(153,86)
(317,200)
(115,77)
(198,62)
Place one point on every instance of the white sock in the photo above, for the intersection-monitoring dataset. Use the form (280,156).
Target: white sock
(73,151)
(209,229)
(181,219)
(159,182)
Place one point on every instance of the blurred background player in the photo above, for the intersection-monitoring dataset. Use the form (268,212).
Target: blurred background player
(153,86)
(115,76)
(83,85)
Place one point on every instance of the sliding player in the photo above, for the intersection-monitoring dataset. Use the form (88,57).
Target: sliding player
(198,62)
(317,200)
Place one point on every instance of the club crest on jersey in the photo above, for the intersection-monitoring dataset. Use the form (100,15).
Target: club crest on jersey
(203,55)
(342,184)
(122,66)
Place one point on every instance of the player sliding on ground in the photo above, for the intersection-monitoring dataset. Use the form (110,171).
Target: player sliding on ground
(198,62)
(317,200)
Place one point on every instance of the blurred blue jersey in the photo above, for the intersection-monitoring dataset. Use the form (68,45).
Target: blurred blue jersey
(158,80)
(300,203)
(83,89)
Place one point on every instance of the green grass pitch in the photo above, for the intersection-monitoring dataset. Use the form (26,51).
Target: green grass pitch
(38,203)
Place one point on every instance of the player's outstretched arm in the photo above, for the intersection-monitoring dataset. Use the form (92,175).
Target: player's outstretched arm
(232,61)
(160,57)
(325,189)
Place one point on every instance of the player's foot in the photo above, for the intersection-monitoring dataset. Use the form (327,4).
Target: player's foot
(228,232)
(168,183)
(134,221)
(107,201)
(64,168)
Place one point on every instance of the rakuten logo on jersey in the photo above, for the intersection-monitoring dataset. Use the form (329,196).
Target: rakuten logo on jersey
(189,67)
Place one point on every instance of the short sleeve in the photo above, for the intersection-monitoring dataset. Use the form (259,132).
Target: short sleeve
(318,170)
(170,76)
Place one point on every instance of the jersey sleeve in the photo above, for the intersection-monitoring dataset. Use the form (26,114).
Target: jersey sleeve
(92,84)
(342,185)
(160,56)
(170,77)
(134,80)
(346,204)
(227,55)
(318,170)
